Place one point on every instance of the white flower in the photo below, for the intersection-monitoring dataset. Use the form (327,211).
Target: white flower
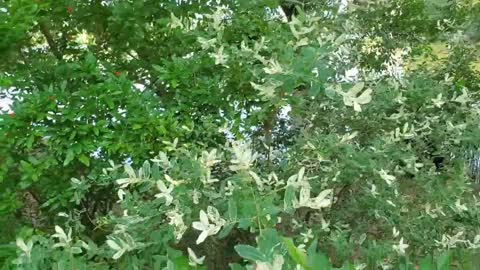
(401,247)
(297,180)
(433,212)
(209,158)
(322,200)
(217,18)
(175,22)
(476,242)
(325,225)
(355,99)
(244,47)
(395,232)
(206,43)
(300,43)
(121,246)
(273,67)
(165,192)
(64,239)
(272,179)
(204,225)
(244,157)
(373,190)
(162,159)
(360,266)
(307,235)
(348,137)
(438,102)
(219,56)
(121,195)
(257,180)
(387,177)
(297,33)
(176,220)
(131,179)
(229,188)
(173,182)
(449,242)
(83,38)
(460,207)
(206,178)
(193,259)
(391,203)
(25,248)
(196,195)
(266,90)
(464,98)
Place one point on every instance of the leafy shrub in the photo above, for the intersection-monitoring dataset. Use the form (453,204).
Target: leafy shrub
(216,134)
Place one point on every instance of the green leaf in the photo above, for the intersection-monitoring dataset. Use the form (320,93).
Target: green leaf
(443,261)
(232,209)
(269,242)
(69,158)
(236,266)
(155,172)
(296,254)
(288,198)
(315,88)
(226,230)
(426,264)
(348,266)
(146,169)
(84,159)
(250,253)
(244,223)
(319,261)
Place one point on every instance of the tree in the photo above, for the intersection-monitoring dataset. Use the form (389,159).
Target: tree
(146,133)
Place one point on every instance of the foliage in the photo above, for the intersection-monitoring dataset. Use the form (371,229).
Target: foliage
(244,134)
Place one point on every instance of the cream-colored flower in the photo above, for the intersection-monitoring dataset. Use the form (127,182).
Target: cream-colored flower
(220,57)
(121,246)
(206,177)
(389,179)
(273,67)
(26,248)
(354,99)
(131,179)
(206,43)
(175,22)
(438,101)
(64,239)
(193,259)
(266,90)
(205,226)
(84,38)
(322,200)
(165,192)
(176,220)
(400,247)
(209,158)
(243,156)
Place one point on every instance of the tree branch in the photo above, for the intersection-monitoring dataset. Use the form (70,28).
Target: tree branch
(51,43)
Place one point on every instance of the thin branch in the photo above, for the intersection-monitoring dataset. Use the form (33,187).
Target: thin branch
(51,43)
